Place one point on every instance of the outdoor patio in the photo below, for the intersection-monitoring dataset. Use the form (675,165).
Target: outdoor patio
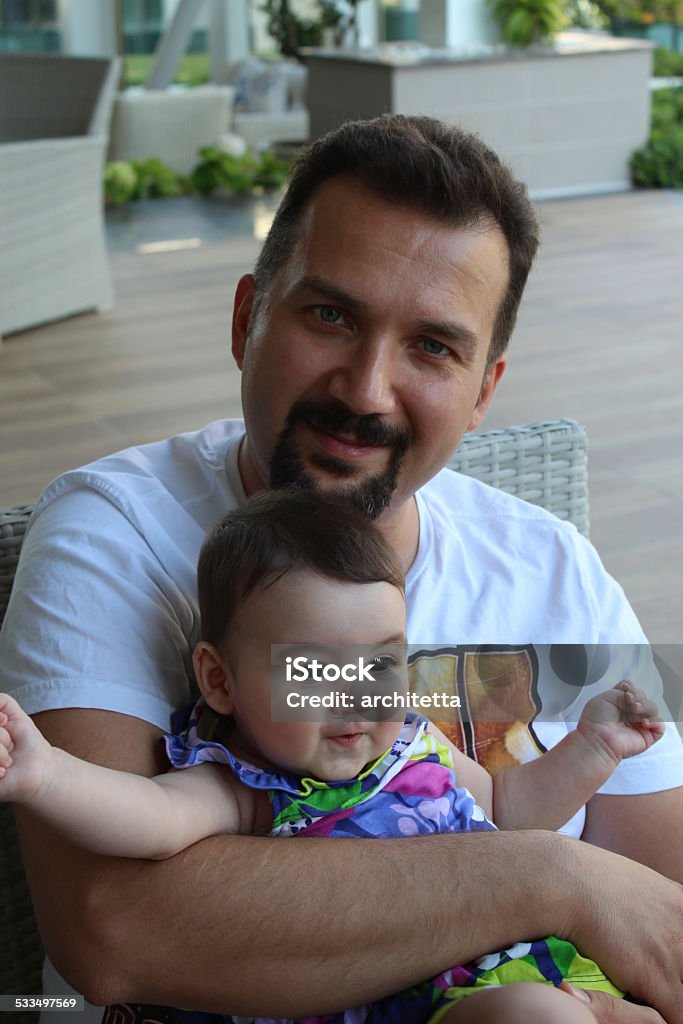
(599,340)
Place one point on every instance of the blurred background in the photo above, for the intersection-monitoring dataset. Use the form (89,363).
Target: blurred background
(144,145)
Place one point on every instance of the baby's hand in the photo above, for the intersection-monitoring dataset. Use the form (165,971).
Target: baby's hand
(25,755)
(624,720)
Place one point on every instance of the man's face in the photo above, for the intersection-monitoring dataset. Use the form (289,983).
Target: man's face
(369,360)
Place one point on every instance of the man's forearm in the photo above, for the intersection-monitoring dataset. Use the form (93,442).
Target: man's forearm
(335,918)
(647,827)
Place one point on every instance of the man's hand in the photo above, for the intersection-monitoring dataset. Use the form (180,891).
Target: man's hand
(623,721)
(609,1010)
(628,919)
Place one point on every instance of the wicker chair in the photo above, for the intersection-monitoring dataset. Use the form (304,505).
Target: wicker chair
(545,463)
(54,125)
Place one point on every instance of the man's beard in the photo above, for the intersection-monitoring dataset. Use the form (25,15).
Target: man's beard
(372,495)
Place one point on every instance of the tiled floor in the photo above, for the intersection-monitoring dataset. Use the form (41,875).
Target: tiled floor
(599,339)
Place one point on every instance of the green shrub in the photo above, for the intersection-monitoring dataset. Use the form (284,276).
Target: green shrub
(221,171)
(668,63)
(127,180)
(156,180)
(272,171)
(659,164)
(585,14)
(667,110)
(120,182)
(524,22)
(217,171)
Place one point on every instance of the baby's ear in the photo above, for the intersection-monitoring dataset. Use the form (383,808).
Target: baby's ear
(213,678)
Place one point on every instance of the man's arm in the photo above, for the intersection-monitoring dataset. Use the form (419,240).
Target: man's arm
(647,827)
(112,926)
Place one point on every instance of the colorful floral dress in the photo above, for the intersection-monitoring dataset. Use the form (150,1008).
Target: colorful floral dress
(409,791)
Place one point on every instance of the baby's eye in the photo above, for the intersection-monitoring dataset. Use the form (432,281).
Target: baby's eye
(383,663)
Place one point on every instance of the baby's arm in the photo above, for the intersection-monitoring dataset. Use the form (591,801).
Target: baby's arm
(546,792)
(113,812)
(468,773)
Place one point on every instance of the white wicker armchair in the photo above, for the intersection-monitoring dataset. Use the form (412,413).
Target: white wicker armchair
(171,126)
(54,122)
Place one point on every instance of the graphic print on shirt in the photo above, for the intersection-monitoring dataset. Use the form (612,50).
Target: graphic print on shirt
(498,690)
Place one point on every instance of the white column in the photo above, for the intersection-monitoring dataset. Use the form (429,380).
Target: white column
(173,44)
(88,29)
(228,35)
(461,24)
(368,16)
(168,9)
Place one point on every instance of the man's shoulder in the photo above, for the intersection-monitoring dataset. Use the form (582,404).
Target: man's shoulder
(464,522)
(460,498)
(182,469)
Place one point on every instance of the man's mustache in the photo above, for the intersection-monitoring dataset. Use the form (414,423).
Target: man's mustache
(335,418)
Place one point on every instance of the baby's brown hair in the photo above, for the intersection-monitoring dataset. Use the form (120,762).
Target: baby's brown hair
(276,532)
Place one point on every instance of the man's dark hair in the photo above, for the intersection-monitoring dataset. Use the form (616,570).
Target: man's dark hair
(434,168)
(276,532)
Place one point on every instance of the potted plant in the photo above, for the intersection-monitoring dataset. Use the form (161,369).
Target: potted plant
(524,22)
(292,31)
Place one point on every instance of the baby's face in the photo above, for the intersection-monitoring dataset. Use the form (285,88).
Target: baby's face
(303,612)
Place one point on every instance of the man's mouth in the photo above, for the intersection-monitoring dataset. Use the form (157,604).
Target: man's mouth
(340,423)
(339,444)
(343,446)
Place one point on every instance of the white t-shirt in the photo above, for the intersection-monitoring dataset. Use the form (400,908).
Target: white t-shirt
(104,608)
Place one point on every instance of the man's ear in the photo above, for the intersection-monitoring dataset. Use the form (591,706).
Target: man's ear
(488,388)
(241,315)
(214,678)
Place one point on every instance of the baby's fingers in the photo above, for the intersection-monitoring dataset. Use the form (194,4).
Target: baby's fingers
(647,709)
(6,741)
(634,702)
(12,716)
(8,708)
(641,708)
(6,748)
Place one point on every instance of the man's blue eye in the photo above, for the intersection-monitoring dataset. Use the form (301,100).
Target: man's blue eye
(329,314)
(432,347)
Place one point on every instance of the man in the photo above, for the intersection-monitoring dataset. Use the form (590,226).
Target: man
(371,336)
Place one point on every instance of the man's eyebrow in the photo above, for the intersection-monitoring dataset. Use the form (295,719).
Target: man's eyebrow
(450,330)
(328,291)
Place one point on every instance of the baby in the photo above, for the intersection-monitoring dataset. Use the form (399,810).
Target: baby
(288,569)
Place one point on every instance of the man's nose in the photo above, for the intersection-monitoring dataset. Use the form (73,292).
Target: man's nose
(366,381)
